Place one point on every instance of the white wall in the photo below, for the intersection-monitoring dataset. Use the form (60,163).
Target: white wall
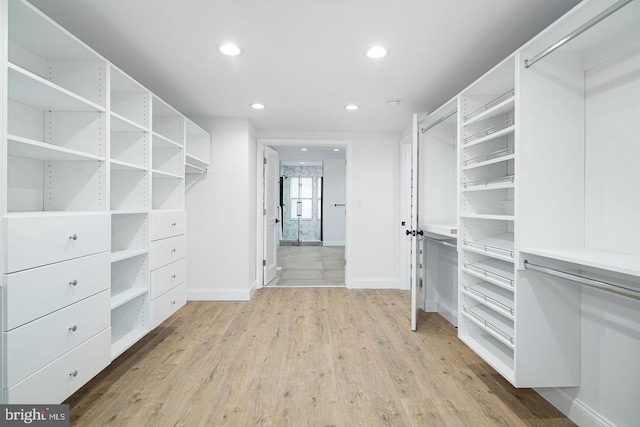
(333,217)
(221,208)
(373,222)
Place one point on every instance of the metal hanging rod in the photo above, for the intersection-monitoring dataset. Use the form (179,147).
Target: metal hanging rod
(440,120)
(575,33)
(448,243)
(593,283)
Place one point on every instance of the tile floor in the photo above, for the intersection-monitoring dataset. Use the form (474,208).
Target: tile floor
(310,266)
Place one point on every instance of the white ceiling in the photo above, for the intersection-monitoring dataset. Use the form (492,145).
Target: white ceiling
(304,58)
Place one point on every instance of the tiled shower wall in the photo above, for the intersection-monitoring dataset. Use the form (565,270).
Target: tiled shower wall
(309,228)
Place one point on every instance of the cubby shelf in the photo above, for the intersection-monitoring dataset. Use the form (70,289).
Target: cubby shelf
(121,341)
(32,149)
(121,255)
(122,124)
(123,295)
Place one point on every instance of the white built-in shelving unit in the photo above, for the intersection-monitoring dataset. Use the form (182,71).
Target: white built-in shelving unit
(89,159)
(438,217)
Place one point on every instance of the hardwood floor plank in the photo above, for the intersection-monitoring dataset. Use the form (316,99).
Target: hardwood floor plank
(305,357)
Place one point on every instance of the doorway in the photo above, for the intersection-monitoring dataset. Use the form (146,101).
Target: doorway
(312,243)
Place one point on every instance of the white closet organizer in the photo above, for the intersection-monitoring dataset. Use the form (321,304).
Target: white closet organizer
(438,210)
(198,149)
(93,168)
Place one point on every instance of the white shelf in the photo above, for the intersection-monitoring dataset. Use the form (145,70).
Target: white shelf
(499,299)
(122,124)
(490,184)
(500,246)
(129,212)
(197,162)
(490,137)
(29,148)
(447,230)
(500,357)
(488,162)
(490,321)
(30,89)
(488,216)
(498,272)
(120,342)
(497,110)
(120,255)
(165,175)
(160,141)
(121,296)
(604,260)
(117,165)
(189,168)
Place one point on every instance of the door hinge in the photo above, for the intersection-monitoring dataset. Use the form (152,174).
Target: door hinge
(264,262)
(265,160)
(264,211)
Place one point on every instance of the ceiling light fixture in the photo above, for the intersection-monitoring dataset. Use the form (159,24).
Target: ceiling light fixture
(393,102)
(230,49)
(258,106)
(351,107)
(336,149)
(303,149)
(376,52)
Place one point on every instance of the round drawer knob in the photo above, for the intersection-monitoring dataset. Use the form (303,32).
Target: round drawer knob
(73,373)
(173,224)
(173,303)
(173,250)
(173,277)
(74,237)
(73,328)
(73,282)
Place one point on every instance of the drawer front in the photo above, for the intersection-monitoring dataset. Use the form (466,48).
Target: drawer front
(56,381)
(34,345)
(168,224)
(41,240)
(168,277)
(57,286)
(166,251)
(168,303)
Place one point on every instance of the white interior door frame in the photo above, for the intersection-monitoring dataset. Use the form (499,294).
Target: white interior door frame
(268,142)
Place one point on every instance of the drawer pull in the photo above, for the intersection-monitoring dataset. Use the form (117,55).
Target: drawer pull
(74,237)
(173,302)
(173,224)
(73,282)
(173,277)
(73,328)
(73,373)
(173,250)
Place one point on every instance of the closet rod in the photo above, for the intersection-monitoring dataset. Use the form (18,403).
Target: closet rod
(443,242)
(598,284)
(575,33)
(440,120)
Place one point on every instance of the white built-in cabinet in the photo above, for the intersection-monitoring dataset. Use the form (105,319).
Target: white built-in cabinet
(93,208)
(547,184)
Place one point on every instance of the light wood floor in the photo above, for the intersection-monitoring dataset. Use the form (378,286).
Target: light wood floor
(305,357)
(310,266)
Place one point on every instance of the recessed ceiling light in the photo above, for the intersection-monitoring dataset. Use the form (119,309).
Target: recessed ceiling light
(230,49)
(351,107)
(302,163)
(258,106)
(336,149)
(303,149)
(376,52)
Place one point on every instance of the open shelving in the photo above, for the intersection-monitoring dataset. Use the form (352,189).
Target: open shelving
(198,148)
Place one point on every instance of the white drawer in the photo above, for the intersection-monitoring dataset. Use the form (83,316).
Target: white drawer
(56,381)
(166,251)
(168,223)
(168,303)
(34,345)
(57,286)
(33,241)
(168,277)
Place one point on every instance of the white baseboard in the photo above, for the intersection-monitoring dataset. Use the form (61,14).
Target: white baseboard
(330,243)
(374,284)
(573,408)
(220,294)
(431,306)
(448,313)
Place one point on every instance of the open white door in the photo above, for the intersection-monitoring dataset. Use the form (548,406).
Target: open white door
(414,273)
(272,222)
